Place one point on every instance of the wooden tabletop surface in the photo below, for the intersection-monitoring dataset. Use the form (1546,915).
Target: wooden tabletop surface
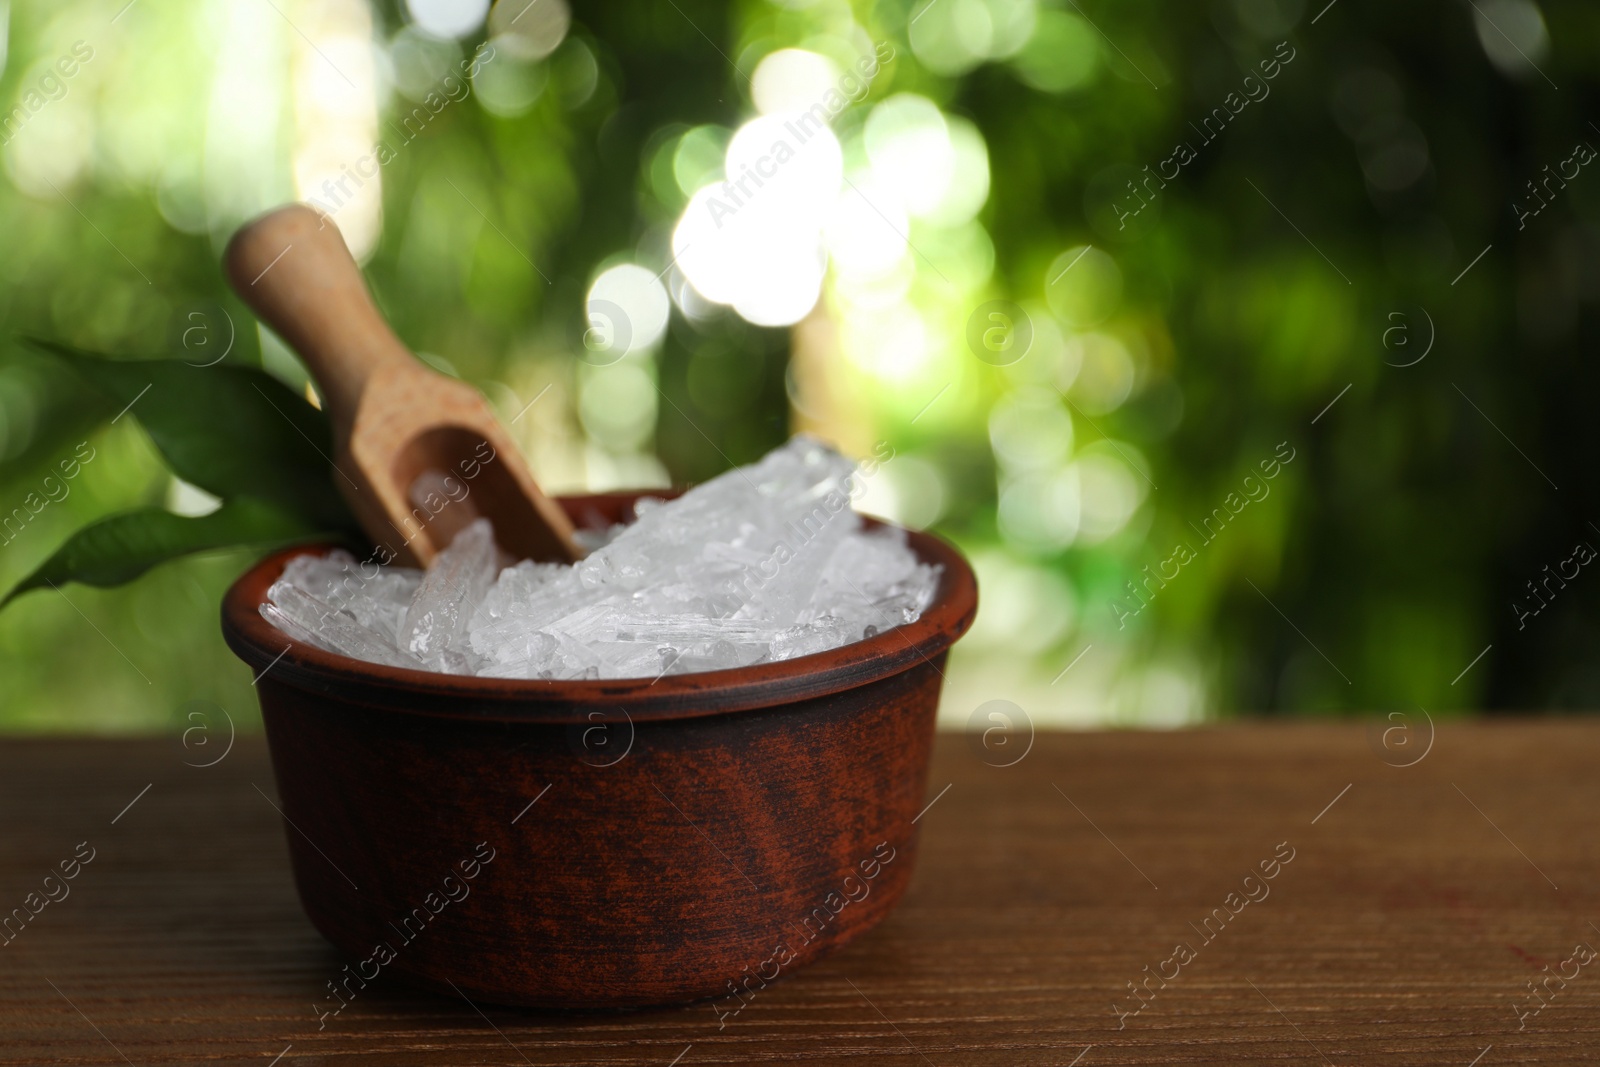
(1409,912)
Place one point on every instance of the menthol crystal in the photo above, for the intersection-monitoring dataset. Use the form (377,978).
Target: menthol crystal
(765,562)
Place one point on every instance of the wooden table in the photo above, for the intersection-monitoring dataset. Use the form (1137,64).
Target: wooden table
(1419,904)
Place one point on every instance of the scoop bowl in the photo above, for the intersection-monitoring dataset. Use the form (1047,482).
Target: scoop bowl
(600,844)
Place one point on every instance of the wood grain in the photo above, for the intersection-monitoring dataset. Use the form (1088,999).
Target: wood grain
(393,419)
(1404,931)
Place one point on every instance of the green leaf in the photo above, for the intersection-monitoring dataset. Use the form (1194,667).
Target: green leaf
(231,430)
(122,547)
(64,415)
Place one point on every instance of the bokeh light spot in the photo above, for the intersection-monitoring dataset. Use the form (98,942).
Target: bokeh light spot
(448,18)
(1063,55)
(529,29)
(792,79)
(641,298)
(1083,285)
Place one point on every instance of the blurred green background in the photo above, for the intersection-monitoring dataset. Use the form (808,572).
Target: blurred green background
(1236,342)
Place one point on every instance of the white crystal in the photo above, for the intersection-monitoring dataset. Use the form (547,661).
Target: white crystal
(376,597)
(436,623)
(306,618)
(765,562)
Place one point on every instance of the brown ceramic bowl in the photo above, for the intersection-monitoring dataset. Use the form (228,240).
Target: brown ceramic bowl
(696,836)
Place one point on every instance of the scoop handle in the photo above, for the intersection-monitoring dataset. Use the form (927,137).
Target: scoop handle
(292,268)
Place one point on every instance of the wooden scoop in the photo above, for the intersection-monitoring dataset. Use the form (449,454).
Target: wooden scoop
(418,455)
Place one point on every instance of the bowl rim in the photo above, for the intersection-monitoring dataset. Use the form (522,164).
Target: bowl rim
(279,659)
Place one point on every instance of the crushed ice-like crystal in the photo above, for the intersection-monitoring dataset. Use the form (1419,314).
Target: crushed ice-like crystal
(762,563)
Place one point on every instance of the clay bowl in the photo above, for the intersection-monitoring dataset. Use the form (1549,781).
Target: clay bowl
(600,844)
